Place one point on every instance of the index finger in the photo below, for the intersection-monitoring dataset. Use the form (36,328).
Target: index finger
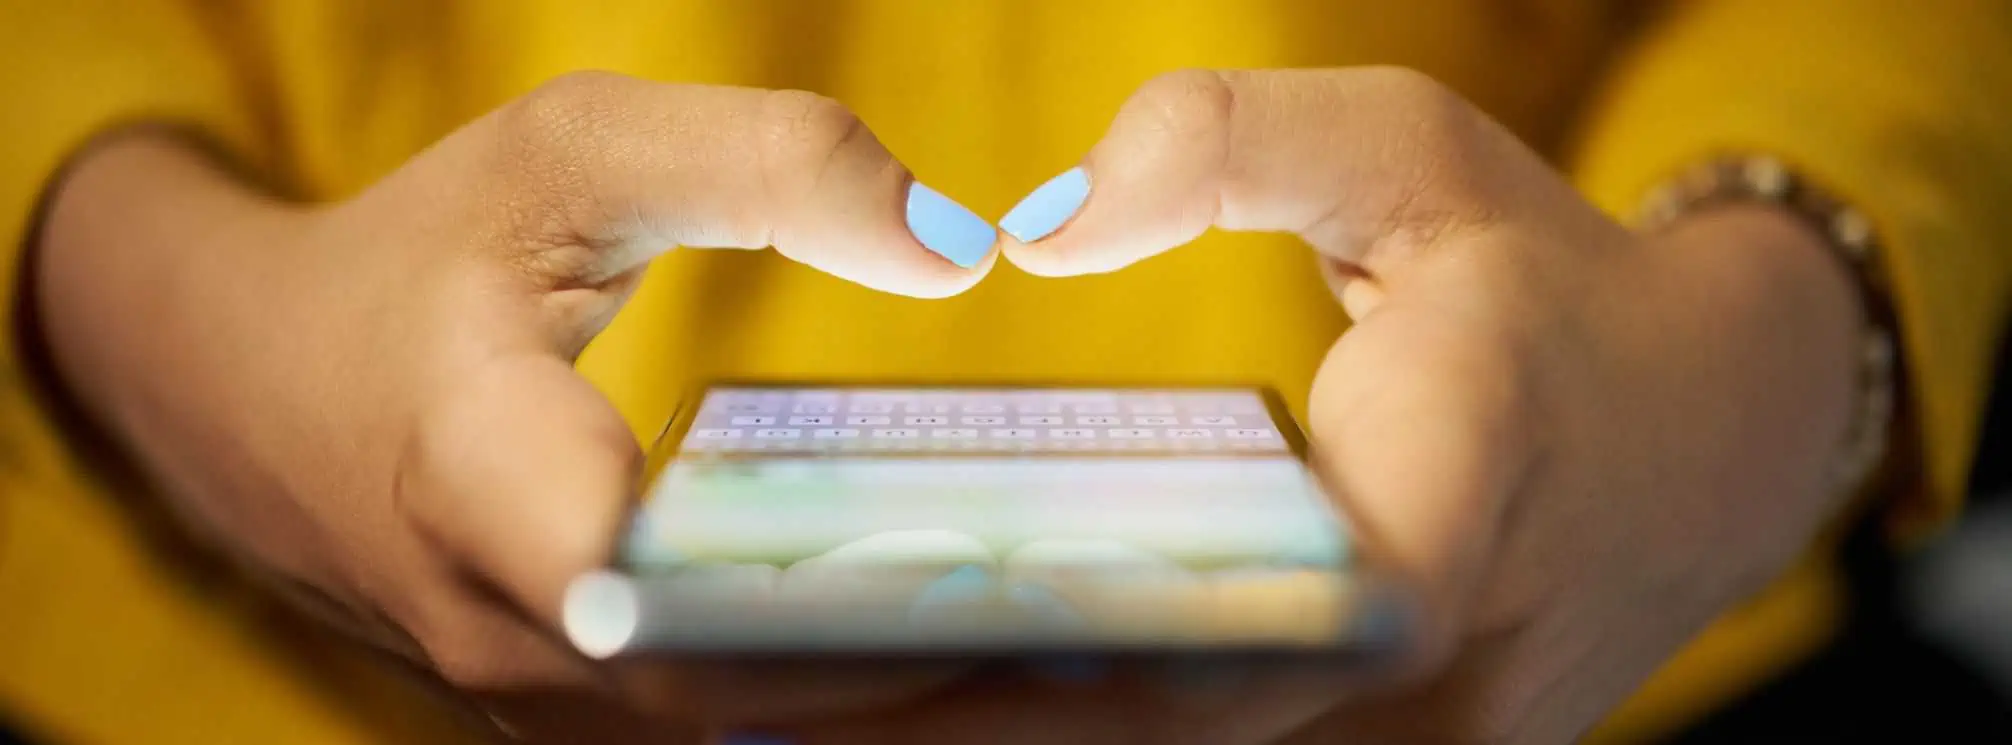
(1365,164)
(586,179)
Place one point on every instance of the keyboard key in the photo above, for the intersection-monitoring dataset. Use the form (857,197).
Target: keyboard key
(716,434)
(1214,421)
(1189,434)
(897,434)
(753,421)
(870,407)
(984,409)
(985,421)
(1248,434)
(926,421)
(1096,421)
(1014,434)
(868,421)
(1072,434)
(953,434)
(835,434)
(810,421)
(1130,434)
(1041,421)
(778,434)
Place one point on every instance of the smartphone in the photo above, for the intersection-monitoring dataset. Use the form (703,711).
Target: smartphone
(821,519)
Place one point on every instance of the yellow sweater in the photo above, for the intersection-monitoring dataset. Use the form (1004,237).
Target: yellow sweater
(1902,107)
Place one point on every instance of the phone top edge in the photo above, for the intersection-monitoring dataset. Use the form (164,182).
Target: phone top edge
(670,437)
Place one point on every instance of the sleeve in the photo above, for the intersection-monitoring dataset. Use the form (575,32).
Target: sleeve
(1903,110)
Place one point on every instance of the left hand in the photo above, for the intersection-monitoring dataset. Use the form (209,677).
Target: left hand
(1578,443)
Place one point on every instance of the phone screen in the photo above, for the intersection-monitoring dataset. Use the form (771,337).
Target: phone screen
(914,518)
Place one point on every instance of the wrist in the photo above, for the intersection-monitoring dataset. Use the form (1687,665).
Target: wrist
(1789,309)
(1780,256)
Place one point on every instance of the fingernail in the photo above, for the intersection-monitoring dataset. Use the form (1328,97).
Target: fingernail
(750,738)
(961,585)
(947,228)
(1045,209)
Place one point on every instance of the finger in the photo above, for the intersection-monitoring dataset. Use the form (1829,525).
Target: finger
(1366,164)
(524,473)
(601,172)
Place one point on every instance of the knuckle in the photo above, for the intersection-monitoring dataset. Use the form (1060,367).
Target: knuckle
(804,129)
(1436,114)
(803,135)
(547,145)
(1443,144)
(1195,101)
(557,118)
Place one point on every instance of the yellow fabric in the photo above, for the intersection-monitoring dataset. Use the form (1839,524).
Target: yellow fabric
(1897,106)
(1896,109)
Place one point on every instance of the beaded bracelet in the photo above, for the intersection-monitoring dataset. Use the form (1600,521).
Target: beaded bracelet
(1766,180)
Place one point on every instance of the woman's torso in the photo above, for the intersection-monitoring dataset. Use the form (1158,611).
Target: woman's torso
(983,100)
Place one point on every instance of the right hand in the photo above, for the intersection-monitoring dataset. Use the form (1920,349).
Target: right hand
(375,399)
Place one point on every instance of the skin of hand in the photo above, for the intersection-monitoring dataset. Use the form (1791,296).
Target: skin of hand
(1575,443)
(374,401)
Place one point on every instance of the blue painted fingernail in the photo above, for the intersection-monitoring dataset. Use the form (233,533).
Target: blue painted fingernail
(946,227)
(749,738)
(962,585)
(1045,209)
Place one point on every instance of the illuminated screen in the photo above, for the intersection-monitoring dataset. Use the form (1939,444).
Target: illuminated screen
(827,515)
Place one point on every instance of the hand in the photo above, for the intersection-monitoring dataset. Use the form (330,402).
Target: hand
(1577,444)
(374,400)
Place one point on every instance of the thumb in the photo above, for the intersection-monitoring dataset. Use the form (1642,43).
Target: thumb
(1419,424)
(1367,165)
(522,473)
